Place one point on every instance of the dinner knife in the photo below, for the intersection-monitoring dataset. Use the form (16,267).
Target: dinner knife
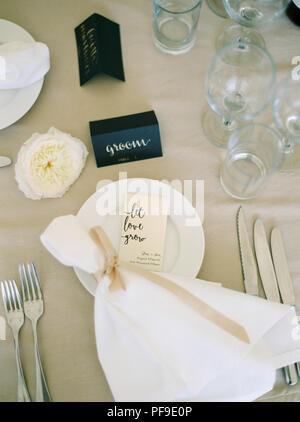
(265,263)
(285,283)
(249,269)
(269,281)
(284,280)
(5,161)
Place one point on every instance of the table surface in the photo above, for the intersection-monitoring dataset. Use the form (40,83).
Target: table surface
(174,88)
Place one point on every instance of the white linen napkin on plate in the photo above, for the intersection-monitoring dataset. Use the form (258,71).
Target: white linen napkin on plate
(22,63)
(153,347)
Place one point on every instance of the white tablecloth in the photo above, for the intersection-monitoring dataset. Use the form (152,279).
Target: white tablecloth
(174,88)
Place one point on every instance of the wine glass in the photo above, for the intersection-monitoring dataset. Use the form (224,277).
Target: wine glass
(286,114)
(250,14)
(217,7)
(239,85)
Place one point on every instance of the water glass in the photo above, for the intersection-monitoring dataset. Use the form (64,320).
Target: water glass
(255,151)
(174,24)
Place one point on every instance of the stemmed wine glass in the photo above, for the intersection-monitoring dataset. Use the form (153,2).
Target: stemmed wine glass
(248,14)
(239,85)
(286,114)
(217,7)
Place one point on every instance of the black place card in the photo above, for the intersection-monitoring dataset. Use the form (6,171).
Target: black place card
(99,48)
(126,138)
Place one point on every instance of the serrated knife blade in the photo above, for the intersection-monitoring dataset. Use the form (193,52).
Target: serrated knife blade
(247,257)
(265,263)
(284,280)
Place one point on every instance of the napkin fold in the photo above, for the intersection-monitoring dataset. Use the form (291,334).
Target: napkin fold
(153,347)
(23,63)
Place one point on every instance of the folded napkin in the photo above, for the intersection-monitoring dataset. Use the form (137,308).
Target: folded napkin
(22,63)
(155,346)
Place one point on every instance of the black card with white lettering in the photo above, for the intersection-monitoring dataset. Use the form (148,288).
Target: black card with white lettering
(99,48)
(127,138)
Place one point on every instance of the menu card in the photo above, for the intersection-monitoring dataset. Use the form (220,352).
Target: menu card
(143,231)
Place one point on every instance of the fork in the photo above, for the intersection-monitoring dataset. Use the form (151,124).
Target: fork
(15,319)
(34,309)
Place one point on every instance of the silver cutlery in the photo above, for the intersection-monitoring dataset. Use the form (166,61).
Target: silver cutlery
(284,280)
(34,309)
(248,264)
(265,263)
(5,161)
(269,281)
(15,320)
(281,268)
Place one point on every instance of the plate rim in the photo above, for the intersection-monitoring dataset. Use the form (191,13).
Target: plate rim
(29,94)
(201,258)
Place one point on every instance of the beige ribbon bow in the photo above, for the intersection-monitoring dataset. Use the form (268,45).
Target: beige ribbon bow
(111,269)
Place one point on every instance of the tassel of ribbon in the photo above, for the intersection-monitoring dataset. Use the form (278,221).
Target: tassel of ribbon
(111,269)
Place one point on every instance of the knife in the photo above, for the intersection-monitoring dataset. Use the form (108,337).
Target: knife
(249,269)
(265,263)
(5,161)
(269,281)
(284,280)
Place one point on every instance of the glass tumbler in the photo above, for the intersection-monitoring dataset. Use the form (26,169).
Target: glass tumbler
(254,152)
(174,24)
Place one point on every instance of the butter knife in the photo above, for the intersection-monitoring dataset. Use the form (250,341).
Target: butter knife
(284,280)
(248,264)
(5,161)
(265,263)
(269,281)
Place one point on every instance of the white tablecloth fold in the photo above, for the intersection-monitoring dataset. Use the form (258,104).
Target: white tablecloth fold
(23,63)
(153,347)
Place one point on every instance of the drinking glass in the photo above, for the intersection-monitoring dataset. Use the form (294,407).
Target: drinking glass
(239,85)
(174,24)
(250,14)
(255,152)
(286,114)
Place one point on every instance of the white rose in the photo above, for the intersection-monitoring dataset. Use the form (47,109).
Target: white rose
(48,164)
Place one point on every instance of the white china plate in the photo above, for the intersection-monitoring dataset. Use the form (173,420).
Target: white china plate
(184,244)
(15,103)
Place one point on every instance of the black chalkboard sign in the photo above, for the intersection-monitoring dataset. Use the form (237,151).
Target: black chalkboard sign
(99,48)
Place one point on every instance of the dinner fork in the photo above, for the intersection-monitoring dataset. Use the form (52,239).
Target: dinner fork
(15,319)
(34,309)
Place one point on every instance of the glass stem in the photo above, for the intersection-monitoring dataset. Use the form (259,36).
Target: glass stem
(229,124)
(288,145)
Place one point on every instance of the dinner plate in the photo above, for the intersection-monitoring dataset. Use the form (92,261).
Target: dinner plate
(184,242)
(14,103)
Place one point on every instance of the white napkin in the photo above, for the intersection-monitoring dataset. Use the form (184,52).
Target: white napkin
(22,63)
(152,347)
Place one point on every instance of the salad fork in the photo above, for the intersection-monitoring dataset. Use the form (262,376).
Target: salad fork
(15,319)
(34,309)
